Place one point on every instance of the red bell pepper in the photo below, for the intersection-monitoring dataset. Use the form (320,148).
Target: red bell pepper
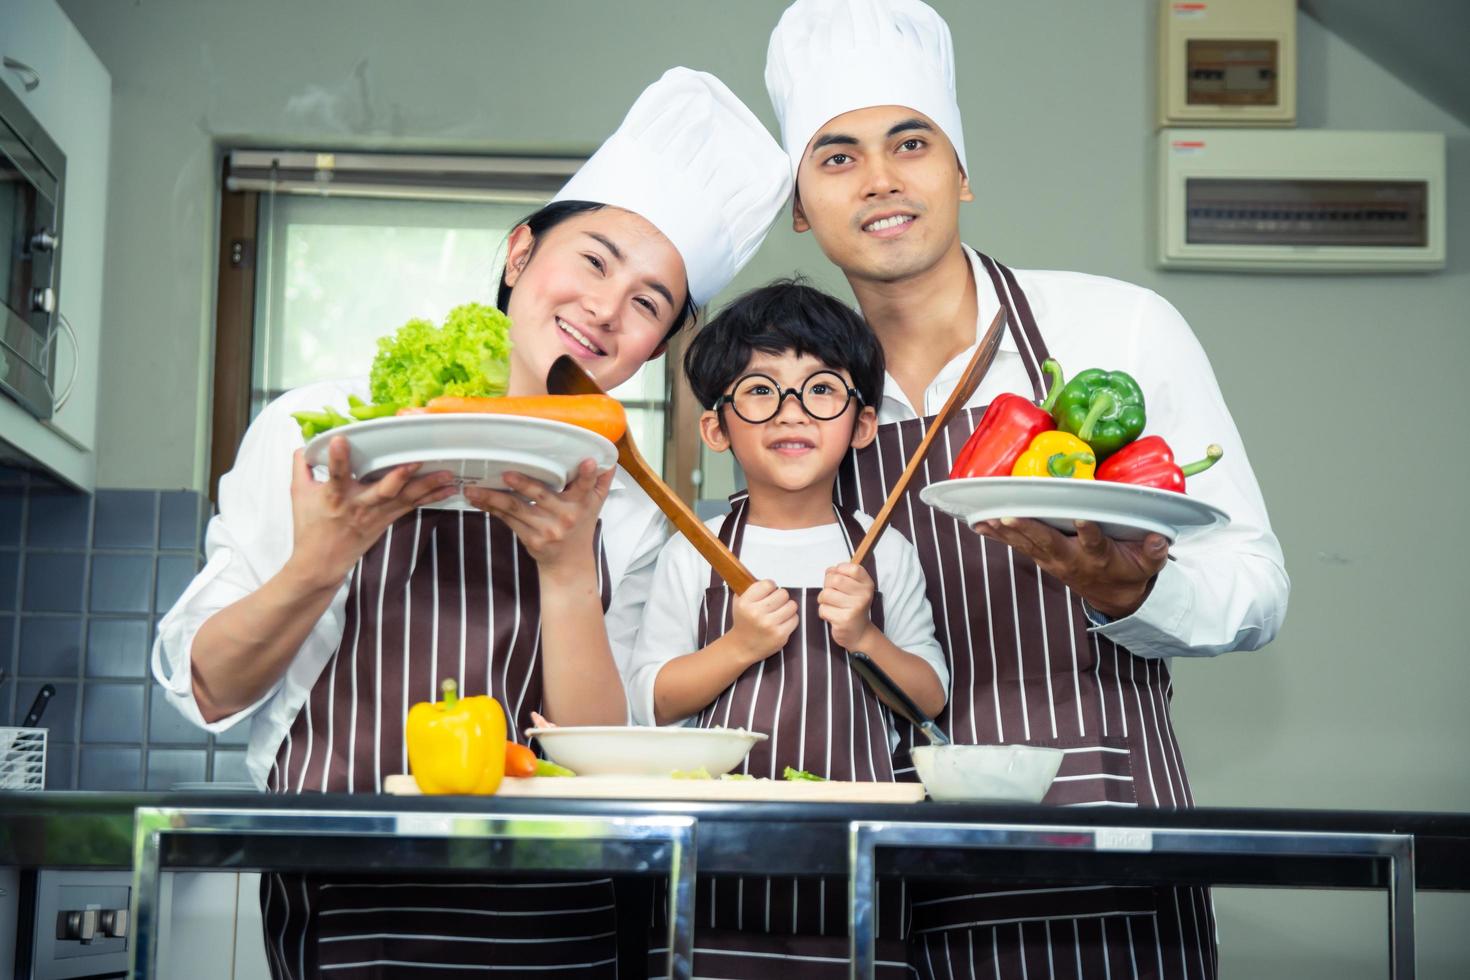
(1149,462)
(1005,430)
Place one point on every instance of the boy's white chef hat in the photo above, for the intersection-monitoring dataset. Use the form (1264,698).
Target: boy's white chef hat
(828,57)
(693,160)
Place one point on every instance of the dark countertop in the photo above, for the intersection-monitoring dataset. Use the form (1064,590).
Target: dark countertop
(79,829)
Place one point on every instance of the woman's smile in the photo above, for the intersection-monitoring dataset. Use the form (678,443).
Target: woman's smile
(578,341)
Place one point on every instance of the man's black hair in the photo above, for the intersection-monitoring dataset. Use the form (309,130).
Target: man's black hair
(543,220)
(785,315)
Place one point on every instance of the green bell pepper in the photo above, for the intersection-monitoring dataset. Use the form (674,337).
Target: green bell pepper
(1102,408)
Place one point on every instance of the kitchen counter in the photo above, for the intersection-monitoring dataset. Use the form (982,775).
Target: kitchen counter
(153,832)
(74,830)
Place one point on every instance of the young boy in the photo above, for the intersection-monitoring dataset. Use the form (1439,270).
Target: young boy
(774,659)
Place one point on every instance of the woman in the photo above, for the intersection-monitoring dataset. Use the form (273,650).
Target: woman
(327,608)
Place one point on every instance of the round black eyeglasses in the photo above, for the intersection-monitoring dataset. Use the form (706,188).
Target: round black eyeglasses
(758,398)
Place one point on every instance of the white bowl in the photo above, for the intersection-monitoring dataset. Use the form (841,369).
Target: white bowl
(611,750)
(987,773)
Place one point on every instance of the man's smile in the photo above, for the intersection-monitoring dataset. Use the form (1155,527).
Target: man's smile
(889,224)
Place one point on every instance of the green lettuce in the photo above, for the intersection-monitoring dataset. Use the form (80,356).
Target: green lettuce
(469,356)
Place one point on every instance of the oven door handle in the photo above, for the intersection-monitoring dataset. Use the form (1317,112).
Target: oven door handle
(59,399)
(30,79)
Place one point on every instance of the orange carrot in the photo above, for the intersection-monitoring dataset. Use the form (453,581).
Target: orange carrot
(519,760)
(602,414)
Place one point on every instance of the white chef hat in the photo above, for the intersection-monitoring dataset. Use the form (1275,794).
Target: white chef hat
(694,161)
(828,57)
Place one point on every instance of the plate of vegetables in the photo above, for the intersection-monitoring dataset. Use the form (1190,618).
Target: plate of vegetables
(1079,455)
(438,399)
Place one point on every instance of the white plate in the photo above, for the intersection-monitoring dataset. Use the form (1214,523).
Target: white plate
(612,750)
(477,448)
(987,773)
(1123,511)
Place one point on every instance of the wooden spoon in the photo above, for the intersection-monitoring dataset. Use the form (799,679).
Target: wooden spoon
(969,381)
(568,378)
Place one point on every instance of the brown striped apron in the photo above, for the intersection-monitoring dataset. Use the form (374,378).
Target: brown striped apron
(443,593)
(1024,668)
(823,719)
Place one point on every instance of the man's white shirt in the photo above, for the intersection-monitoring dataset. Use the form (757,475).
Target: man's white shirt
(1223,589)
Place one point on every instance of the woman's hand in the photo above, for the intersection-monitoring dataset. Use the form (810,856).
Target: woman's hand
(844,603)
(764,619)
(556,528)
(336,521)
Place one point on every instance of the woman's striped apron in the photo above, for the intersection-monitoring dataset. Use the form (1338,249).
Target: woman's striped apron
(443,593)
(1025,668)
(821,718)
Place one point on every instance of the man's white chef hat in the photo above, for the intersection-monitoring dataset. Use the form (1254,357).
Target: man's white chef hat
(694,161)
(828,57)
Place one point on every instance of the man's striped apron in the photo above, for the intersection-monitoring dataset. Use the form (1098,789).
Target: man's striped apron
(1024,668)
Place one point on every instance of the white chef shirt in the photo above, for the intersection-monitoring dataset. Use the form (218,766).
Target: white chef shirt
(1225,589)
(793,559)
(250,538)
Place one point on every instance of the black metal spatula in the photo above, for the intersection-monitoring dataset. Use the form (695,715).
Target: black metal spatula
(895,697)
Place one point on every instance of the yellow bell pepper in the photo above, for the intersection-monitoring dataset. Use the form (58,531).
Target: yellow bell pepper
(456,746)
(1058,454)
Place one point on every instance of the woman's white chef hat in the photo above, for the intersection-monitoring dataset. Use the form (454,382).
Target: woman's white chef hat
(694,161)
(828,57)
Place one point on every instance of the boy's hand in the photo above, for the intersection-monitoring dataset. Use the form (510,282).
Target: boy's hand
(765,617)
(846,597)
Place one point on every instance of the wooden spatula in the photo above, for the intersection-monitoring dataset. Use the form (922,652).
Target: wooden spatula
(969,381)
(567,378)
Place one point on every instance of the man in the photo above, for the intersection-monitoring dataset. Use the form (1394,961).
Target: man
(1055,640)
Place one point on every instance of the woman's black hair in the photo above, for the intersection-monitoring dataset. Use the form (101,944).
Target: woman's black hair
(785,315)
(543,220)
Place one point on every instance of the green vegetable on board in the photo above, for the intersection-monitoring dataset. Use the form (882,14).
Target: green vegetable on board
(802,774)
(544,768)
(700,773)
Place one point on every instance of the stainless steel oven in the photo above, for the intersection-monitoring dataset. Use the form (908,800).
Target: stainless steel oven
(32,174)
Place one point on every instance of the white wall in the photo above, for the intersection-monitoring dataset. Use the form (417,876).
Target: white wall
(1345,388)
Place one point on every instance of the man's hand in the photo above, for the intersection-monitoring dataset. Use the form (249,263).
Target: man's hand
(844,602)
(335,522)
(764,619)
(1113,576)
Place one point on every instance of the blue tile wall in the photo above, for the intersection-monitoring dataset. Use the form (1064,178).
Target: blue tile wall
(84,580)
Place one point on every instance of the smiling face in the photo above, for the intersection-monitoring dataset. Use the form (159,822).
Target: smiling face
(791,453)
(604,286)
(880,188)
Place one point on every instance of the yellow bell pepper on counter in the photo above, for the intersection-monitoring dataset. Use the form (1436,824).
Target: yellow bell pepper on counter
(1059,454)
(456,746)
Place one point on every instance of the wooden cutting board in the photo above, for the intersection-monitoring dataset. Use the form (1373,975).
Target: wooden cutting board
(653,788)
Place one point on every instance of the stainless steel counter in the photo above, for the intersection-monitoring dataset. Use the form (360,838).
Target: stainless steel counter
(1399,852)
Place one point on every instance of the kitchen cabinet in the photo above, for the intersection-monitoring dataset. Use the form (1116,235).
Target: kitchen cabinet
(73,103)
(210,926)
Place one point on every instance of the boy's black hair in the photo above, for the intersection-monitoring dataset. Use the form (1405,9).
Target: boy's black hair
(785,315)
(546,218)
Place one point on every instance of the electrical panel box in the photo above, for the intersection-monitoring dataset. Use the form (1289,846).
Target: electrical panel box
(1301,200)
(1227,62)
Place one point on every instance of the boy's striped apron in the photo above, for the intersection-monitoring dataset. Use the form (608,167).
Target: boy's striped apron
(1025,668)
(821,718)
(443,593)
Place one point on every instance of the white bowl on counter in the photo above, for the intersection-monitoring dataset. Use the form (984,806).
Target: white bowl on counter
(616,750)
(987,773)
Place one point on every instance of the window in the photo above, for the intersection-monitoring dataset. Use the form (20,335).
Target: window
(318,261)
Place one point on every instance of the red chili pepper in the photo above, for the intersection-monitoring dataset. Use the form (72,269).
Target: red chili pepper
(1149,462)
(1005,430)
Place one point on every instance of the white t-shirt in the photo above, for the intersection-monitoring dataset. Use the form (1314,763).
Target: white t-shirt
(1225,588)
(793,559)
(250,538)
